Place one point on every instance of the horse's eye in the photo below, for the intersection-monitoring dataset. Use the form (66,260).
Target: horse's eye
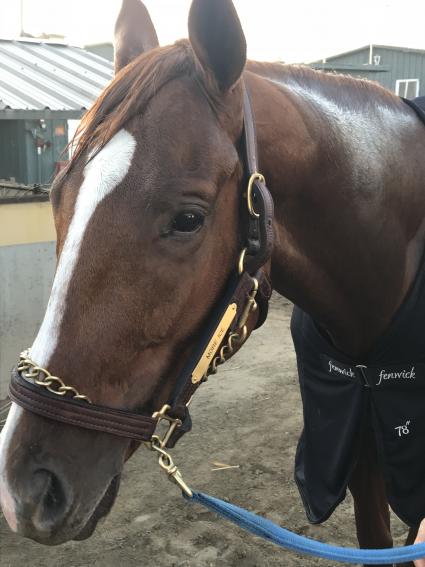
(187,222)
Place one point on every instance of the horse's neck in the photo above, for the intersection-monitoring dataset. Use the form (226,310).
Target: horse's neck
(350,229)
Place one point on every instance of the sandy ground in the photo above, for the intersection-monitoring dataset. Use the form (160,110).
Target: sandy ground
(249,415)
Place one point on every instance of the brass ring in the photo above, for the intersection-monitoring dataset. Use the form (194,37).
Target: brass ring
(241,261)
(243,337)
(253,177)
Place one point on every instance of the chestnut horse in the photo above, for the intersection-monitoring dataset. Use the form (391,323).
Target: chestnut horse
(147,219)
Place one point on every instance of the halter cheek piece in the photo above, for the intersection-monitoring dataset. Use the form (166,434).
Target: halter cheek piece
(248,290)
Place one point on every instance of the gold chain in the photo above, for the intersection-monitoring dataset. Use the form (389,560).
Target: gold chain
(43,378)
(239,336)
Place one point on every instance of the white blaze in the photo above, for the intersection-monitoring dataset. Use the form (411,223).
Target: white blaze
(101,176)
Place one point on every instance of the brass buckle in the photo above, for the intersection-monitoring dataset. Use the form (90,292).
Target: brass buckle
(158,444)
(250,306)
(162,415)
(251,181)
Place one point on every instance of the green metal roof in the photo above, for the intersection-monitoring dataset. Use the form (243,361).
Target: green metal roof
(367,47)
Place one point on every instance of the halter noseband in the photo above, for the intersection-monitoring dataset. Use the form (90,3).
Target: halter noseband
(248,290)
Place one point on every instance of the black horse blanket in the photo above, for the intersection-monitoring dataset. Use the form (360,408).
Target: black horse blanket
(418,105)
(345,399)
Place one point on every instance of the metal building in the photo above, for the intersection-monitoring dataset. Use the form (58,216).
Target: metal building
(42,86)
(399,69)
(105,49)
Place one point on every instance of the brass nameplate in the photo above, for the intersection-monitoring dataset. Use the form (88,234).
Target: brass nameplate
(214,343)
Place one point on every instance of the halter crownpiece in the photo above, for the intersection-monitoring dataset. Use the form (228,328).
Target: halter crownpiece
(248,291)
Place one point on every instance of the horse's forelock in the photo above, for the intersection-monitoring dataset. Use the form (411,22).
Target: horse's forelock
(129,94)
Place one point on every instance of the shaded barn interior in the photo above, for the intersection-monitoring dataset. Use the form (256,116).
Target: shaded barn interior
(43,86)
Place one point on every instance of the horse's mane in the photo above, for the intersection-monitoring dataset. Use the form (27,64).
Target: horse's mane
(129,94)
(361,89)
(134,86)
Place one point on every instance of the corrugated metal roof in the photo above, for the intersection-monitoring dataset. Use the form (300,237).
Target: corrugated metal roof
(36,76)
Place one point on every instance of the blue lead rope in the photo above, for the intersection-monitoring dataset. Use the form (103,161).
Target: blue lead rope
(284,538)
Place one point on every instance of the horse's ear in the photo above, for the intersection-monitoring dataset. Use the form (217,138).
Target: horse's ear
(218,41)
(134,33)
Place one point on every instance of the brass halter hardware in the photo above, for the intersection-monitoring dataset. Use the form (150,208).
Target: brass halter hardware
(241,261)
(238,336)
(42,377)
(253,178)
(201,369)
(158,444)
(253,213)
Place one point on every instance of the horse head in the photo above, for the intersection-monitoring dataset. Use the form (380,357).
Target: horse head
(147,219)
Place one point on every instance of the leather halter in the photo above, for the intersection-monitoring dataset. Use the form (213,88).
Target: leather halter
(37,391)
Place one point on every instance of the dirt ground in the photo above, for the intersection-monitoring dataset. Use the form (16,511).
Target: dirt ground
(249,415)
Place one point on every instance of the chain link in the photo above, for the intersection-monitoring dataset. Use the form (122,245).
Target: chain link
(239,336)
(42,377)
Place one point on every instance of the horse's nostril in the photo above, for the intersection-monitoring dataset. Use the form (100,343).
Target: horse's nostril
(50,498)
(54,497)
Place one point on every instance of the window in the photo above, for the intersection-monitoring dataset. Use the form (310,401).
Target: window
(407,88)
